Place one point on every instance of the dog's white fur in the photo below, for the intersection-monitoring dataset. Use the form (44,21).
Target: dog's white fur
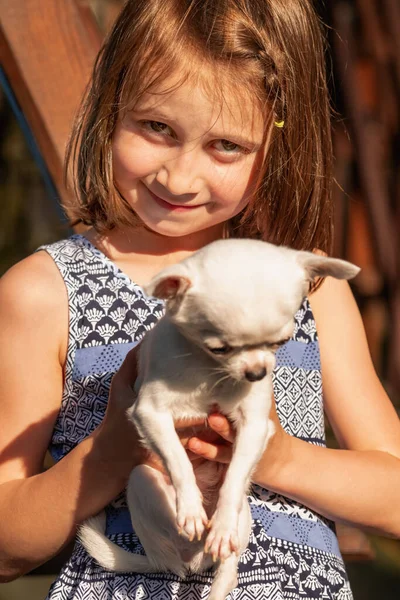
(228,308)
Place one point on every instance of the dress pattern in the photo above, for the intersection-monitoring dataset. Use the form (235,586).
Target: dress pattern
(292,553)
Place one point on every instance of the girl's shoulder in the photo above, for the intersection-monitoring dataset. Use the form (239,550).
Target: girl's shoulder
(33,296)
(32,283)
(333,306)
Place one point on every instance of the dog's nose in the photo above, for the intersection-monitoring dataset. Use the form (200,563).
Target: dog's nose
(256,375)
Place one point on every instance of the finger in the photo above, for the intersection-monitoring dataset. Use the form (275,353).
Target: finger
(222,426)
(127,373)
(187,423)
(214,452)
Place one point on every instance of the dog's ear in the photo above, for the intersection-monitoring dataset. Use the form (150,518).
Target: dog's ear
(169,287)
(169,284)
(316,265)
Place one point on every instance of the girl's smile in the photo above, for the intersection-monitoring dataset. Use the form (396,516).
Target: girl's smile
(173,207)
(185,163)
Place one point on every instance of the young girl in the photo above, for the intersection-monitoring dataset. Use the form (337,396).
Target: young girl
(204,119)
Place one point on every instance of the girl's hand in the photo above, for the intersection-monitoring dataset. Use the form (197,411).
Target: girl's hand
(208,441)
(220,448)
(214,443)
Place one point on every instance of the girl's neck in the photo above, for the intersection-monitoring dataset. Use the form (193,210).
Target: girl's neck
(141,253)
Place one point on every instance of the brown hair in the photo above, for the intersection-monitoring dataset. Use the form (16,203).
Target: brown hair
(275,48)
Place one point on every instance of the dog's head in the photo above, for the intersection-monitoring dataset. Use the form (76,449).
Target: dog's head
(236,299)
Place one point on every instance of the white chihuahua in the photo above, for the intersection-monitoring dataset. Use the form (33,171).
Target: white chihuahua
(229,307)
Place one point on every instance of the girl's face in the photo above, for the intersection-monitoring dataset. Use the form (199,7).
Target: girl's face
(186,164)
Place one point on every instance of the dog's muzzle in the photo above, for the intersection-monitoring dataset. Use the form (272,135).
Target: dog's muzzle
(256,375)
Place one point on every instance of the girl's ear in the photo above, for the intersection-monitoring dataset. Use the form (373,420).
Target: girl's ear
(316,265)
(169,284)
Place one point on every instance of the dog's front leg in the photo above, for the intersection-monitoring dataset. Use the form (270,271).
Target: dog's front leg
(157,428)
(253,431)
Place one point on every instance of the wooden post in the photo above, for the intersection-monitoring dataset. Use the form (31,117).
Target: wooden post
(47,50)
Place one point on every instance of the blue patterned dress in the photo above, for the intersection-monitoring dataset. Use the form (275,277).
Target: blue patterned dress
(293,552)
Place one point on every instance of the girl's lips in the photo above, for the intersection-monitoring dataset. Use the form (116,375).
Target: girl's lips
(168,206)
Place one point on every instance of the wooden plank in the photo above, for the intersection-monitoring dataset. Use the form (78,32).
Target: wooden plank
(47,50)
(367,137)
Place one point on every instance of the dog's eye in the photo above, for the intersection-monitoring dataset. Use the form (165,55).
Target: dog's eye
(221,349)
(282,342)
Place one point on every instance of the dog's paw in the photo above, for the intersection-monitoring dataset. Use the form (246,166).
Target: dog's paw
(223,538)
(191,517)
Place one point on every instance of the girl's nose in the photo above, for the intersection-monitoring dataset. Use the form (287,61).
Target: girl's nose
(181,175)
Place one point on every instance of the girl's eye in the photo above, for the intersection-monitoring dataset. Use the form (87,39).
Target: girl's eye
(156,127)
(229,147)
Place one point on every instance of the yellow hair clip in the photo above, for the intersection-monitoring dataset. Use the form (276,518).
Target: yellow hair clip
(279,124)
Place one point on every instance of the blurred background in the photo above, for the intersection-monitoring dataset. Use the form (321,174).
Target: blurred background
(363,61)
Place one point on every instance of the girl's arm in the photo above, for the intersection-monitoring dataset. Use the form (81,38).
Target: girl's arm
(360,484)
(39,511)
